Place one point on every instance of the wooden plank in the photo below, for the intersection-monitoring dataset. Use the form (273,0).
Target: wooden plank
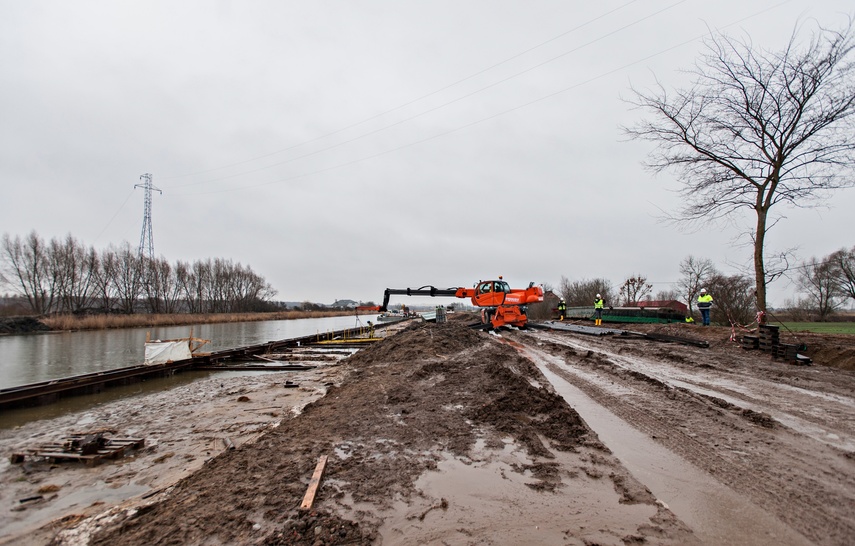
(70,456)
(314,483)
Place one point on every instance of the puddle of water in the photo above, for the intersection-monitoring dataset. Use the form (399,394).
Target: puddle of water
(82,498)
(489,503)
(716,514)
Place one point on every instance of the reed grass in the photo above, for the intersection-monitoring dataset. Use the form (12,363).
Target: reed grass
(107,322)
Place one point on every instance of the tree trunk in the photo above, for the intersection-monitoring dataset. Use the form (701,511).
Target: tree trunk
(759,267)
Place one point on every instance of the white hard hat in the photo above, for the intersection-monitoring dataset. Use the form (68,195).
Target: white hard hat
(703,290)
(599,296)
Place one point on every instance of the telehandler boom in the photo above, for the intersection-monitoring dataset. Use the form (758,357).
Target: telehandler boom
(500,304)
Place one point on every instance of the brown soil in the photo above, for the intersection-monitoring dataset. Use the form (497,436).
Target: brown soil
(446,435)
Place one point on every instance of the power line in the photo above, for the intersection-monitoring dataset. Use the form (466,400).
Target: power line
(115,214)
(440,106)
(487,118)
(421,98)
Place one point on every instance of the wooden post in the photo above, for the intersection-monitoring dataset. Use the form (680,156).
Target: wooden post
(314,483)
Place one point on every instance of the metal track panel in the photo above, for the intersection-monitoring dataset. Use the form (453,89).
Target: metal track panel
(588,330)
(597,331)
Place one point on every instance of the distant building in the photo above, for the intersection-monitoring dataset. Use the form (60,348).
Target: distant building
(345,304)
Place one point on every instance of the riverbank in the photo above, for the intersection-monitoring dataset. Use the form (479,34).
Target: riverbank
(29,324)
(183,428)
(21,325)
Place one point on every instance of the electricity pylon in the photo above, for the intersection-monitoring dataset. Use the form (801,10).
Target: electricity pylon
(146,240)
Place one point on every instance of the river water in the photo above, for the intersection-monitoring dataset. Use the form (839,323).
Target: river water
(26,359)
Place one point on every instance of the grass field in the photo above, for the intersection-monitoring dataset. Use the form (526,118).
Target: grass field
(819,327)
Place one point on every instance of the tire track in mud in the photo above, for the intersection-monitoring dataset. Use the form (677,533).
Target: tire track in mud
(821,407)
(772,467)
(814,400)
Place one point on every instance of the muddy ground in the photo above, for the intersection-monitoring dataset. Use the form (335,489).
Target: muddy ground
(441,434)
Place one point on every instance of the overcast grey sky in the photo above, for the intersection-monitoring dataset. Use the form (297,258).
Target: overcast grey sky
(342,147)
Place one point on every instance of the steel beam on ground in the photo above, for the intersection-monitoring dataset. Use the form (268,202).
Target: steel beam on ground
(588,330)
(597,331)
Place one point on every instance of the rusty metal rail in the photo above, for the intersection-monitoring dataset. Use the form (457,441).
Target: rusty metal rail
(47,392)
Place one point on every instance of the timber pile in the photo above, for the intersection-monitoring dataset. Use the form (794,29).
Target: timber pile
(89,449)
(750,342)
(768,340)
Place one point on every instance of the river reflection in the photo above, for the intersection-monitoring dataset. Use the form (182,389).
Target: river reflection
(26,359)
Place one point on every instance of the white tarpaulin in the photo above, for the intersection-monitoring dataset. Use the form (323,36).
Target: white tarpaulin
(160,352)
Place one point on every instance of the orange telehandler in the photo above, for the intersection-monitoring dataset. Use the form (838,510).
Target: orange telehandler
(500,304)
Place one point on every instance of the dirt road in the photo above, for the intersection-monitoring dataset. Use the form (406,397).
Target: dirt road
(445,435)
(782,437)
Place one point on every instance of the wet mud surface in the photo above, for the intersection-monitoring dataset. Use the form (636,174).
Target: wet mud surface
(781,435)
(446,435)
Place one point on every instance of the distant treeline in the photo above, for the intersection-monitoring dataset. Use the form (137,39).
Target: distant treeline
(65,276)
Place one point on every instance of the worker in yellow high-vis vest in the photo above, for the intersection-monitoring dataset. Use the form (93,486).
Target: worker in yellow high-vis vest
(598,310)
(705,302)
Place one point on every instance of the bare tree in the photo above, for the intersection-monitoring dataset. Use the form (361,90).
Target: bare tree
(582,293)
(818,281)
(161,288)
(696,273)
(635,289)
(74,270)
(25,265)
(757,128)
(667,295)
(128,278)
(67,277)
(185,277)
(844,271)
(105,279)
(733,299)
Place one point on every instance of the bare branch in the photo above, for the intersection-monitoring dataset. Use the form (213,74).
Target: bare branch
(756,129)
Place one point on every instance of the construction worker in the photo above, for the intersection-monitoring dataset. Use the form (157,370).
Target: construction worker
(705,302)
(562,309)
(598,310)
